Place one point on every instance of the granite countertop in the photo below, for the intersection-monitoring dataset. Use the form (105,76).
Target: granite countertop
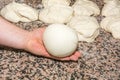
(100,61)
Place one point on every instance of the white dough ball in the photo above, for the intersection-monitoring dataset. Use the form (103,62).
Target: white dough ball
(88,39)
(105,23)
(48,3)
(85,7)
(112,25)
(60,40)
(85,27)
(56,14)
(111,8)
(107,1)
(16,12)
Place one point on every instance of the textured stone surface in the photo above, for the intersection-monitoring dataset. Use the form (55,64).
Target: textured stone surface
(100,60)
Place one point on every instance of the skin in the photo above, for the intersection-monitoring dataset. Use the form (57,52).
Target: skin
(15,37)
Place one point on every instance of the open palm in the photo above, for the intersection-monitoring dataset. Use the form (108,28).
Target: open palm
(35,45)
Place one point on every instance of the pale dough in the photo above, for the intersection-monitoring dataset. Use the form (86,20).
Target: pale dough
(86,27)
(106,1)
(60,40)
(47,3)
(85,7)
(16,12)
(112,25)
(56,14)
(88,39)
(111,8)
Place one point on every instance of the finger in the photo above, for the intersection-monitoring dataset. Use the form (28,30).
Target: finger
(65,59)
(77,54)
(74,58)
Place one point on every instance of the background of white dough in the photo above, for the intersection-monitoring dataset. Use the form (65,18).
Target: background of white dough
(47,3)
(60,13)
(85,7)
(16,12)
(56,14)
(85,27)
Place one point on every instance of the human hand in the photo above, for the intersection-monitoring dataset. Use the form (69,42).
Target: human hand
(29,41)
(35,45)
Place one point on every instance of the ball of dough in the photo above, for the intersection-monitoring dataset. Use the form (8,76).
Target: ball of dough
(106,1)
(56,14)
(60,40)
(88,39)
(108,21)
(85,26)
(47,3)
(112,25)
(105,23)
(111,8)
(16,12)
(85,7)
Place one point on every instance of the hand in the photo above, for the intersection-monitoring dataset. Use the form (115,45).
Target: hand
(35,45)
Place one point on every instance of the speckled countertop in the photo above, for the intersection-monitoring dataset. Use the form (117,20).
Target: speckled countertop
(101,59)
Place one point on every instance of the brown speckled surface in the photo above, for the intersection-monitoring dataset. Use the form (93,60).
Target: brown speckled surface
(101,59)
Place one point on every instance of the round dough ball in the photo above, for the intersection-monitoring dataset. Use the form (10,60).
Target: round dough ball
(112,25)
(60,40)
(88,39)
(48,3)
(115,30)
(16,12)
(108,21)
(85,7)
(106,1)
(85,26)
(111,8)
(56,14)
(105,23)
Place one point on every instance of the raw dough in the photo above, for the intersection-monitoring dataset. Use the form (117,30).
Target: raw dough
(88,39)
(85,7)
(111,8)
(16,12)
(60,40)
(86,27)
(47,3)
(106,1)
(56,14)
(112,25)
